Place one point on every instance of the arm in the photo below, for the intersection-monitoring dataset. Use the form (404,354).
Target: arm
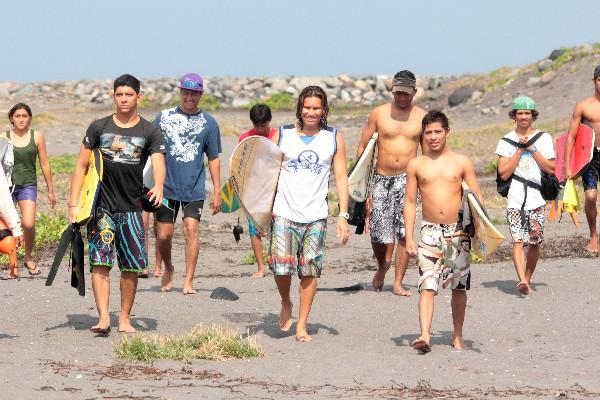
(77,181)
(159,173)
(45,164)
(410,206)
(214,166)
(368,131)
(545,165)
(507,165)
(275,137)
(572,132)
(341,183)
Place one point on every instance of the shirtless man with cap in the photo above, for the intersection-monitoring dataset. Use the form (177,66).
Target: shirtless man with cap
(399,125)
(588,112)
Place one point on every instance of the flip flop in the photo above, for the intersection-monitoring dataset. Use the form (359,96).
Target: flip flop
(34,271)
(100,331)
(158,274)
(421,346)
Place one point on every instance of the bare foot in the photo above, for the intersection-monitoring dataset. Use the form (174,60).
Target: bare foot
(421,345)
(400,291)
(102,327)
(379,277)
(523,288)
(458,344)
(167,279)
(302,334)
(592,245)
(189,291)
(158,273)
(125,326)
(259,274)
(285,316)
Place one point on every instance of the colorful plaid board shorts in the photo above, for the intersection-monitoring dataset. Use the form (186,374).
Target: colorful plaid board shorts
(444,258)
(297,247)
(532,232)
(120,232)
(387,215)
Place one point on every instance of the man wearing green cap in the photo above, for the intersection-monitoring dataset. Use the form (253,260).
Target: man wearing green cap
(588,112)
(525,206)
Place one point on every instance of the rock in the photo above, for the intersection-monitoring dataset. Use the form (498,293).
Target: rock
(556,53)
(533,81)
(345,96)
(434,83)
(254,85)
(544,65)
(370,96)
(356,92)
(362,85)
(382,84)
(166,99)
(485,110)
(476,97)
(459,96)
(547,78)
(434,95)
(222,293)
(239,102)
(8,87)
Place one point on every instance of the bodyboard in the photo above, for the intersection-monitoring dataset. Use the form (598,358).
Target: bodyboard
(229,201)
(362,172)
(583,152)
(255,166)
(90,190)
(487,238)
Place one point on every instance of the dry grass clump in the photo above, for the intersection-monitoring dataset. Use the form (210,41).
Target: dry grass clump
(212,343)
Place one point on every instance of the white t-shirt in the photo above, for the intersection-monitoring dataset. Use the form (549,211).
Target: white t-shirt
(304,177)
(527,168)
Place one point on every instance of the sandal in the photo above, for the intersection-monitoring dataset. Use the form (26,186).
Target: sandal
(34,271)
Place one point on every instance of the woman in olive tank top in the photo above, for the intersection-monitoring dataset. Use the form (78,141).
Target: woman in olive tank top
(27,146)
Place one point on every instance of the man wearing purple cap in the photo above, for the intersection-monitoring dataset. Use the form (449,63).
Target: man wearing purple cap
(189,133)
(399,125)
(588,112)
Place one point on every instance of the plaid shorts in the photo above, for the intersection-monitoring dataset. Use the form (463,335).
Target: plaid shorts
(297,247)
(387,215)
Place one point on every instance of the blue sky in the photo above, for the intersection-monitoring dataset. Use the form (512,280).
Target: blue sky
(92,39)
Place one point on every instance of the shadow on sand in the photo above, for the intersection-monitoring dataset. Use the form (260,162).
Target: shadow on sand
(83,322)
(509,286)
(441,338)
(269,325)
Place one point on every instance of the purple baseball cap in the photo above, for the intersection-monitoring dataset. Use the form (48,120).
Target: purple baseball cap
(192,82)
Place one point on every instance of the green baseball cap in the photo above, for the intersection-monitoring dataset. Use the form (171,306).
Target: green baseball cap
(523,103)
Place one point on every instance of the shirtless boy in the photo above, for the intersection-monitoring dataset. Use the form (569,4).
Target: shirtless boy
(443,251)
(399,127)
(588,112)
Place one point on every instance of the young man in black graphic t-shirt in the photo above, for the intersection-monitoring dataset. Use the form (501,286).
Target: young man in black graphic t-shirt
(116,230)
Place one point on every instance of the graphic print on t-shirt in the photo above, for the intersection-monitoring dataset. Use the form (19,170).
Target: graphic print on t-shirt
(308,160)
(181,134)
(122,149)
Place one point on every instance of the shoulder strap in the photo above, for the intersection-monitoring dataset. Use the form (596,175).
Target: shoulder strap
(524,145)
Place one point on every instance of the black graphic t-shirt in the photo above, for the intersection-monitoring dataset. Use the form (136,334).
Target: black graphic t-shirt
(124,154)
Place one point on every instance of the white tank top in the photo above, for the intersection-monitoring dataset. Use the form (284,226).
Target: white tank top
(304,178)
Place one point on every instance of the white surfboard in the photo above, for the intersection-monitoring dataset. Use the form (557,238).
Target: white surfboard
(148,177)
(255,165)
(362,172)
(487,238)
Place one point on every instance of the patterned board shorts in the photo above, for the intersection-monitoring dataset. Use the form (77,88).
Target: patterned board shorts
(297,247)
(444,259)
(120,231)
(532,232)
(591,172)
(387,214)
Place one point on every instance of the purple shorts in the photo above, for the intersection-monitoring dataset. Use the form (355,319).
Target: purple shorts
(27,192)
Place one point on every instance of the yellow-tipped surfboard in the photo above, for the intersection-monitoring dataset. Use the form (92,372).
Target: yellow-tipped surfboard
(229,200)
(90,190)
(487,238)
(360,176)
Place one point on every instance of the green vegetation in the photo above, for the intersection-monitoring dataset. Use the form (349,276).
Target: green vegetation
(214,343)
(208,102)
(497,79)
(490,167)
(43,118)
(281,101)
(63,164)
(250,259)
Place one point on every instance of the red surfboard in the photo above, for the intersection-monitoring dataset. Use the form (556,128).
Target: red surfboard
(583,151)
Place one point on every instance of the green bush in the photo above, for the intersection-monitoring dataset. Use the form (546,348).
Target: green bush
(278,102)
(209,102)
(250,259)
